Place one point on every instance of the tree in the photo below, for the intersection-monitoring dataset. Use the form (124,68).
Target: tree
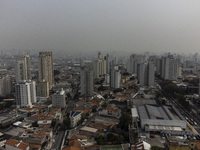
(104,105)
(69,96)
(124,121)
(101,139)
(66,122)
(53,123)
(116,139)
(157,148)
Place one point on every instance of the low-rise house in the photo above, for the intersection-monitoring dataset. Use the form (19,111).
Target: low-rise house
(44,122)
(111,112)
(98,126)
(89,131)
(13,144)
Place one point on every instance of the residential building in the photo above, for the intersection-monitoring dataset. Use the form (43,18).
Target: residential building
(99,66)
(115,77)
(25,94)
(111,112)
(169,68)
(32,91)
(5,85)
(12,144)
(45,68)
(23,69)
(133,62)
(87,81)
(145,74)
(58,99)
(107,63)
(176,143)
(75,116)
(42,89)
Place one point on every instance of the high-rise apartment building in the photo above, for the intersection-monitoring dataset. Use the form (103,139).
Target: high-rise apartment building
(58,99)
(25,94)
(23,69)
(99,66)
(42,89)
(169,68)
(33,91)
(107,58)
(145,74)
(5,85)
(133,61)
(115,77)
(45,68)
(87,81)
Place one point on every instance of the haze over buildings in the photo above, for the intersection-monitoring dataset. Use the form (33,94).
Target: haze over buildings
(90,26)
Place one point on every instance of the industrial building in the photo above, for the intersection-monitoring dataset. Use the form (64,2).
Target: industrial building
(161,118)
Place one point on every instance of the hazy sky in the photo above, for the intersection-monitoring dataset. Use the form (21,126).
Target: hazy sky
(93,25)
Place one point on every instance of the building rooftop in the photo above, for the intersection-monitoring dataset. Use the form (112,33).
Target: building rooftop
(75,113)
(162,112)
(89,129)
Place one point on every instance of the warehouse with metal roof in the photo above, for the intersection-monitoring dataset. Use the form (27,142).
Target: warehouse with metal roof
(160,118)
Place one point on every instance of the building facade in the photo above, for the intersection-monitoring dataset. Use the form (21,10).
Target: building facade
(58,99)
(45,68)
(23,94)
(145,74)
(75,116)
(5,85)
(99,66)
(133,61)
(170,68)
(23,69)
(115,77)
(42,89)
(87,81)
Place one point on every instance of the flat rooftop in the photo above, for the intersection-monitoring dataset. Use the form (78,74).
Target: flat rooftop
(89,129)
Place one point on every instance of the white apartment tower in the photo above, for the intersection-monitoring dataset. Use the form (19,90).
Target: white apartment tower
(45,68)
(24,93)
(170,68)
(115,77)
(23,69)
(145,74)
(99,66)
(87,81)
(58,99)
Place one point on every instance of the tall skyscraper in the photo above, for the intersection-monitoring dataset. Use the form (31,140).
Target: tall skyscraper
(45,68)
(25,94)
(23,69)
(145,75)
(87,81)
(115,77)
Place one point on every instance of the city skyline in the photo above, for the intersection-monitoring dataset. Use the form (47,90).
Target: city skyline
(91,26)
